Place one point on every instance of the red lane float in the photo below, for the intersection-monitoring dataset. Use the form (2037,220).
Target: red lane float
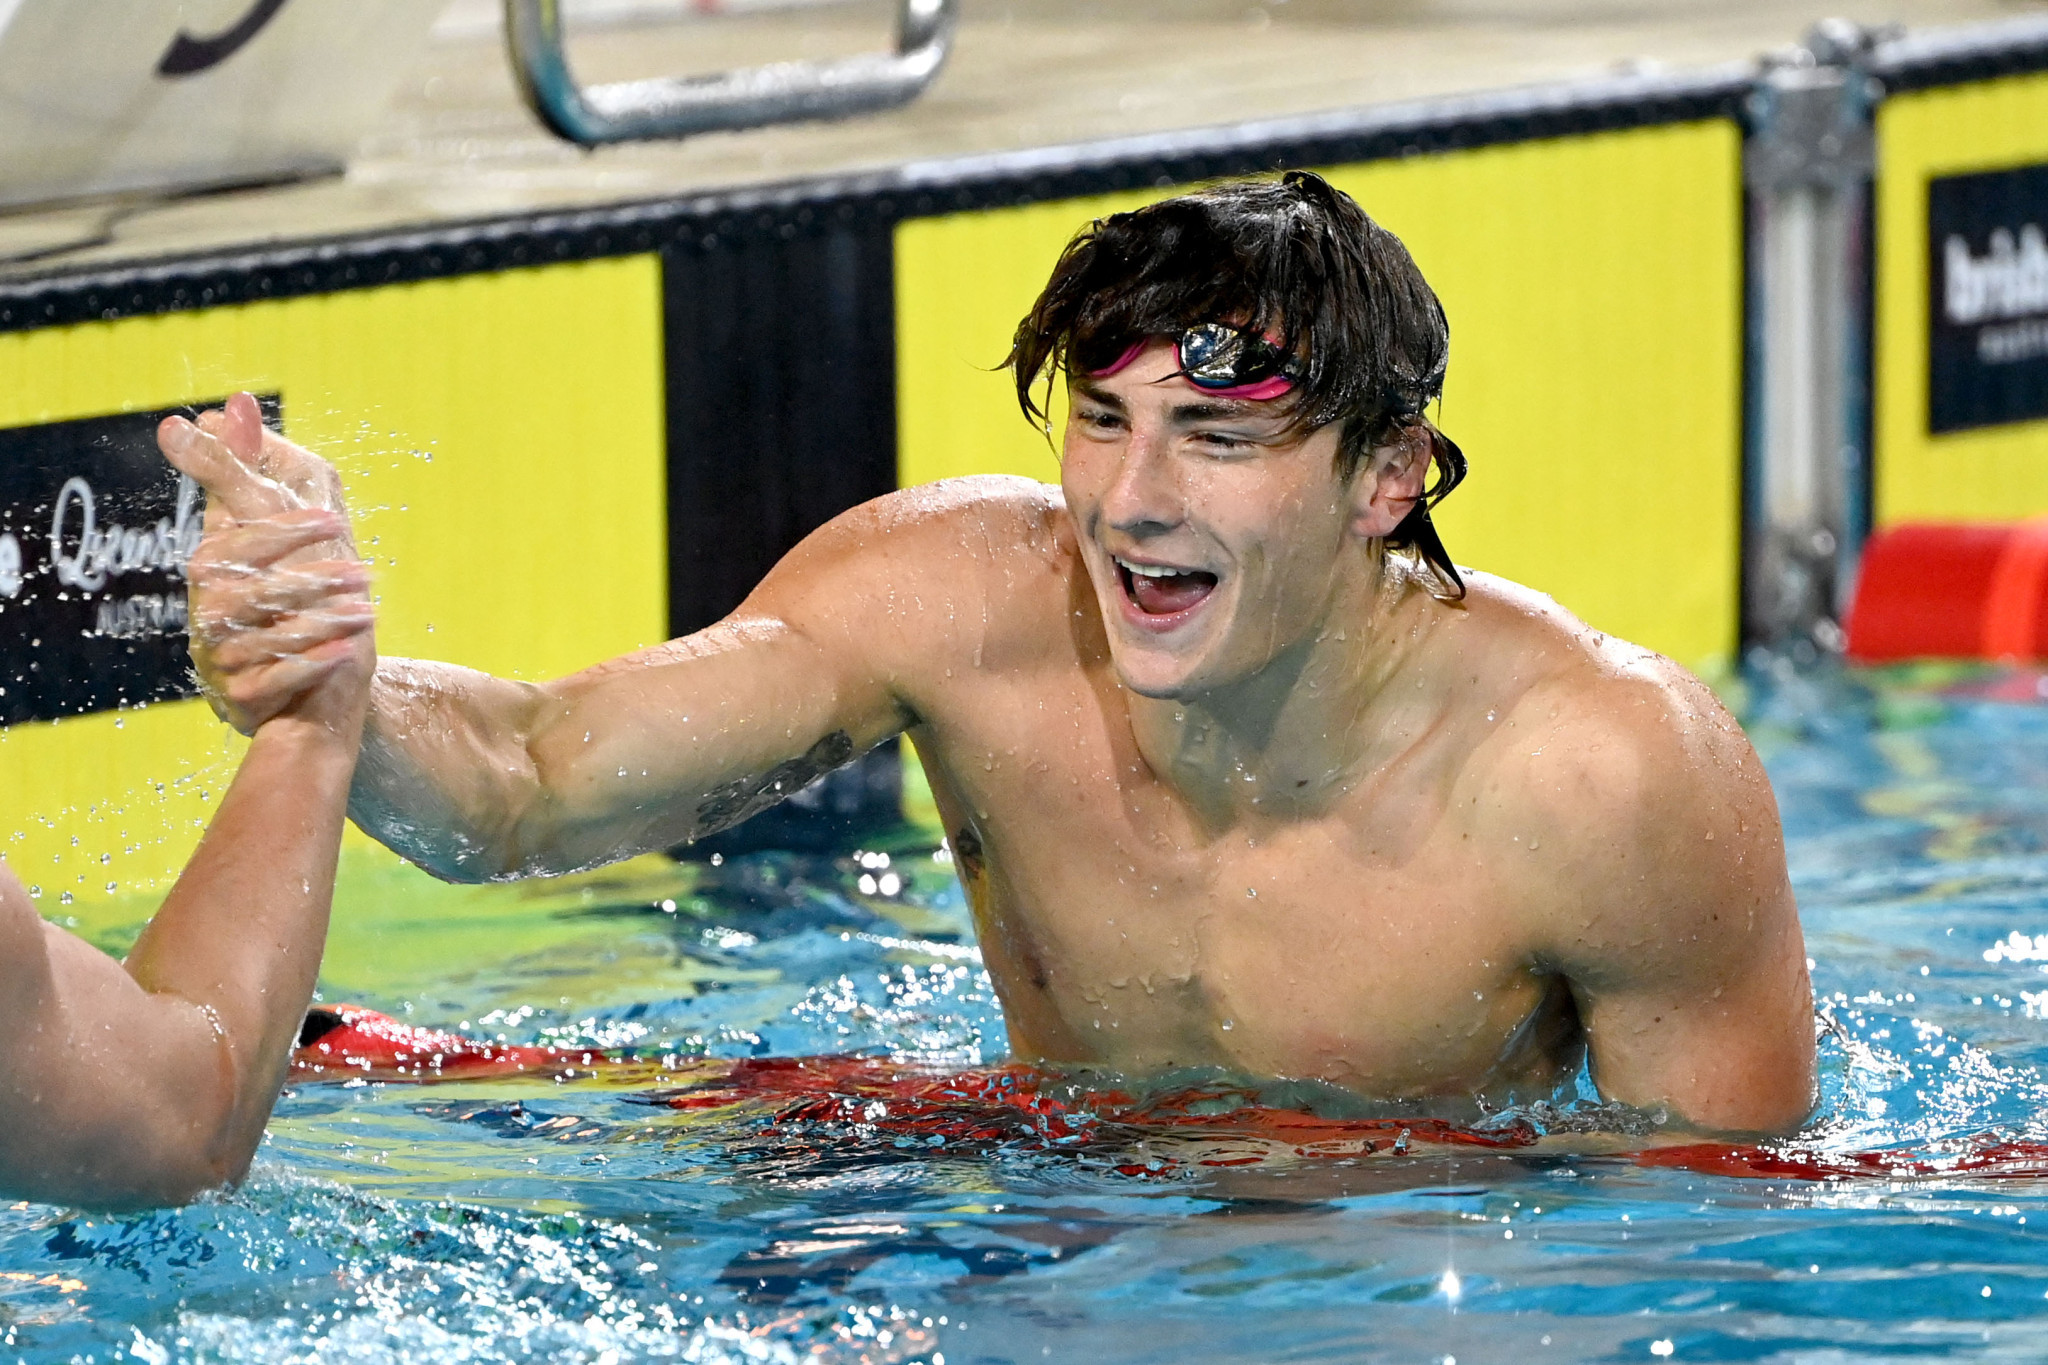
(1952,591)
(987,1107)
(1982,1157)
(347,1042)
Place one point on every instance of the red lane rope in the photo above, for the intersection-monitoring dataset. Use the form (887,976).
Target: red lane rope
(1205,1126)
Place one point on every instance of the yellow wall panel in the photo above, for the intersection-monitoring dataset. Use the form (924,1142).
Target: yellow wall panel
(962,283)
(1991,473)
(501,438)
(1594,290)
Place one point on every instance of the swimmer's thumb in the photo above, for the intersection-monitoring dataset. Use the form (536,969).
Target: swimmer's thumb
(230,485)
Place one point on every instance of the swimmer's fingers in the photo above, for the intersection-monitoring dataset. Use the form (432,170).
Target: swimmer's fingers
(249,698)
(299,469)
(244,548)
(219,453)
(307,587)
(310,477)
(289,637)
(220,614)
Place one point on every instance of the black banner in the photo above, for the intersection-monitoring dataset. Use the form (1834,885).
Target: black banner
(95,529)
(1987,238)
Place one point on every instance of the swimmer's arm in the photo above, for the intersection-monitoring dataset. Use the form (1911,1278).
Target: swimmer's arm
(475,777)
(149,1082)
(1676,926)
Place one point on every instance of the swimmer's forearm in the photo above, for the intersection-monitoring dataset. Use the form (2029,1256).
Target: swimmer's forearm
(445,777)
(475,778)
(240,936)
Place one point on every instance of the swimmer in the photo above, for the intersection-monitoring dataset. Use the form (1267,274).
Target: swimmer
(147,1082)
(1238,768)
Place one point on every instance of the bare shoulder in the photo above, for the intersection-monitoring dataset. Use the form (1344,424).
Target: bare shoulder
(982,568)
(951,532)
(1652,806)
(1597,702)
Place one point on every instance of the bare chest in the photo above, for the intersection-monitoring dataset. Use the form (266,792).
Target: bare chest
(1372,949)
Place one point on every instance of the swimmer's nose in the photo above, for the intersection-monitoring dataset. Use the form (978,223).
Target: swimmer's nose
(1144,497)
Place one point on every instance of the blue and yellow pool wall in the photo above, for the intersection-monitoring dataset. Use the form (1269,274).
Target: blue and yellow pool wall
(566,436)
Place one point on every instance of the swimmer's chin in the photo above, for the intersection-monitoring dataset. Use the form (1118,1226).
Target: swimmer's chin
(1155,689)
(1147,670)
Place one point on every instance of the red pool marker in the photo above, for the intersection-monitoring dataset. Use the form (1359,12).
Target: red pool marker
(1952,591)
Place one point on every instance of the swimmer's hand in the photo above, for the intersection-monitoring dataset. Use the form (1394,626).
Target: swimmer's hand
(279,601)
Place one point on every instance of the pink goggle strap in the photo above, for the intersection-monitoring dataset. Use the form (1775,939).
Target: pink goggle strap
(1272,386)
(1123,361)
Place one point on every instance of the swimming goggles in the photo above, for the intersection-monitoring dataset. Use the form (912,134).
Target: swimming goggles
(1225,361)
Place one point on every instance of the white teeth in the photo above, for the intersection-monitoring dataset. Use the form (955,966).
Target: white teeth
(1150,570)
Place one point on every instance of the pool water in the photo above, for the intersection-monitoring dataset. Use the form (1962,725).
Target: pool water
(528,1220)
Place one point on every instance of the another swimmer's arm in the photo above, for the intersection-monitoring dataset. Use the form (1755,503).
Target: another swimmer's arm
(149,1083)
(1679,934)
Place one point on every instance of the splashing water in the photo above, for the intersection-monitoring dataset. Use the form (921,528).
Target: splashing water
(884,1210)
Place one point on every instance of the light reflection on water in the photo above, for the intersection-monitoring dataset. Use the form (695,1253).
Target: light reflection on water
(517,1220)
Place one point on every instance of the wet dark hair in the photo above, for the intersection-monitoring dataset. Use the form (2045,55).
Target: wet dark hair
(1295,259)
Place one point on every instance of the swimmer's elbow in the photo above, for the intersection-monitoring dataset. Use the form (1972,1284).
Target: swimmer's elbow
(1762,1123)
(455,872)
(171,1184)
(465,858)
(475,864)
(161,1161)
(1773,1099)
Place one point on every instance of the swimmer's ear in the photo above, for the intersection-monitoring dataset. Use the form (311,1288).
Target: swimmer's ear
(1391,482)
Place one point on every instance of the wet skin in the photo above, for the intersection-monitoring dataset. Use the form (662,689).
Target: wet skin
(1226,786)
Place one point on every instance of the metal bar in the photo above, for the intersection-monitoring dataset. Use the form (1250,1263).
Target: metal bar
(1807,168)
(752,97)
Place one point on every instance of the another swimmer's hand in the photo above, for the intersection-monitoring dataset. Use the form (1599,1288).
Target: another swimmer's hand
(280,618)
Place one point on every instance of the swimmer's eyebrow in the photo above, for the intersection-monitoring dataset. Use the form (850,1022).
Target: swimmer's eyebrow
(1095,393)
(1215,410)
(1180,414)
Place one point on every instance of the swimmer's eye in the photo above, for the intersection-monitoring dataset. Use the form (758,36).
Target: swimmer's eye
(1101,419)
(1225,443)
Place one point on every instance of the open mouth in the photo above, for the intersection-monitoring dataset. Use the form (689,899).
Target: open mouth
(1157,590)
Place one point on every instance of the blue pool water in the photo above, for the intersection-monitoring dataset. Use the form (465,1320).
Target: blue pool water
(522,1220)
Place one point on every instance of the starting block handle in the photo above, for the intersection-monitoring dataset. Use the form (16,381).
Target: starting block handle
(750,97)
